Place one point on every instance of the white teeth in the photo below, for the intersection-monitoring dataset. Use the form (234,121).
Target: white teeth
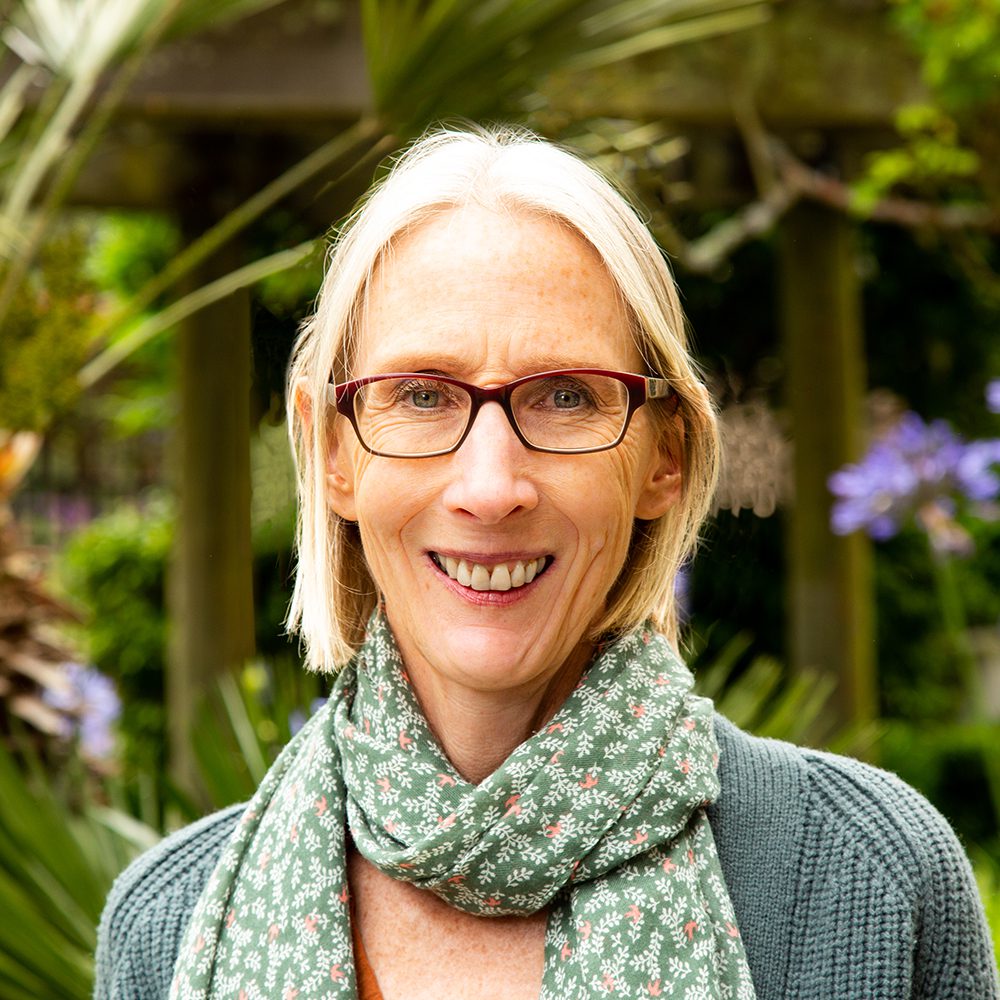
(503,576)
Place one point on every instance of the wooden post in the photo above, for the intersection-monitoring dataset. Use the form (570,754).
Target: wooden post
(830,597)
(210,586)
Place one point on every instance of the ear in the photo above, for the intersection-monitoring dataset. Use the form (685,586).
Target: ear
(661,488)
(338,457)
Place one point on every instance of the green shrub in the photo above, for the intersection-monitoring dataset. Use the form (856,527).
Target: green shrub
(945,763)
(987,873)
(115,569)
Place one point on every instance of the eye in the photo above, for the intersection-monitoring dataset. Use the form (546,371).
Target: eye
(427,395)
(565,399)
(424,399)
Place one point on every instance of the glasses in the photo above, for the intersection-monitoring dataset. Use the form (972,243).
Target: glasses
(568,412)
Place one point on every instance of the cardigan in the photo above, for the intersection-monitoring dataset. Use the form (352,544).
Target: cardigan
(847,885)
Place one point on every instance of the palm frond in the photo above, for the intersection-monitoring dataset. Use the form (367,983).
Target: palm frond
(435,59)
(178,311)
(480,59)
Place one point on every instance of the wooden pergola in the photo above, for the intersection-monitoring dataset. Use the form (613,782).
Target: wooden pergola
(215,117)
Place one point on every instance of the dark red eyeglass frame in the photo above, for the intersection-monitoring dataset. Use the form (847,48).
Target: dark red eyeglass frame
(640,388)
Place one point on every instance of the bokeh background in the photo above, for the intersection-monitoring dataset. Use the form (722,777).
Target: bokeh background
(824,177)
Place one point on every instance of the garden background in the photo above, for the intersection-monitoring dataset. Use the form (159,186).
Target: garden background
(824,175)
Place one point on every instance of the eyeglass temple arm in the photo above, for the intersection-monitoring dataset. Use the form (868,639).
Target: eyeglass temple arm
(658,388)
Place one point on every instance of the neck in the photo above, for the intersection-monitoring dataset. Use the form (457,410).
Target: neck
(478,730)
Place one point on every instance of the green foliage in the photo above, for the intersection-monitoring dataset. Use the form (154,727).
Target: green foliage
(44,337)
(918,675)
(934,349)
(288,293)
(987,872)
(947,144)
(57,862)
(248,721)
(128,249)
(945,762)
(756,693)
(115,568)
(757,696)
(958,44)
(931,156)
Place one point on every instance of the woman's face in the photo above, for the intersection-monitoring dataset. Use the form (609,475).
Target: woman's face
(488,297)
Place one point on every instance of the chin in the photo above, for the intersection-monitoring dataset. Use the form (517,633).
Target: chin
(491,657)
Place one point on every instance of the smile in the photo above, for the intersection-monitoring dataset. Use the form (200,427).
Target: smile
(507,575)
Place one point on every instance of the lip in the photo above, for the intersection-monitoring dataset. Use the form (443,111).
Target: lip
(487,598)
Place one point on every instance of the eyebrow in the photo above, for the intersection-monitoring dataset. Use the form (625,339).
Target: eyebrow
(453,364)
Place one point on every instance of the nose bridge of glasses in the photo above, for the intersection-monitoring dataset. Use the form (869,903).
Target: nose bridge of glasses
(499,394)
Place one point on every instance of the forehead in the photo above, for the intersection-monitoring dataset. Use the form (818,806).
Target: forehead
(476,291)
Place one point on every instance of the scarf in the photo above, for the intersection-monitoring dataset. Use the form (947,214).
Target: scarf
(599,816)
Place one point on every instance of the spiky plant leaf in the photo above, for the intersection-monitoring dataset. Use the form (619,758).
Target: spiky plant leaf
(57,864)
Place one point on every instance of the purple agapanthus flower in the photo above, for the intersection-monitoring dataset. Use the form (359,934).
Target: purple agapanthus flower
(993,395)
(916,471)
(92,706)
(297,717)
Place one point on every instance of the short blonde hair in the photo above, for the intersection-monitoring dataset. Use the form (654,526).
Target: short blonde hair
(504,169)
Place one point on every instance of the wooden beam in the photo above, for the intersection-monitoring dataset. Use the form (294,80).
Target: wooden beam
(299,64)
(816,64)
(830,597)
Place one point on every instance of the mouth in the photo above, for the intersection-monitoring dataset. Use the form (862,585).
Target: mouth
(508,574)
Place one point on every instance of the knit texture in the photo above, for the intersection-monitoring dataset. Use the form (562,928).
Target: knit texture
(846,883)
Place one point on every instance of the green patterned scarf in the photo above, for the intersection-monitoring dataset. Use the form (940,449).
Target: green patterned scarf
(599,816)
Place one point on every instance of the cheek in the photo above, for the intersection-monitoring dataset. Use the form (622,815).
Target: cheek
(388,500)
(601,501)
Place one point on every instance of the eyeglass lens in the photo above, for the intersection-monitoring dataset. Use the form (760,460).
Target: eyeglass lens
(422,415)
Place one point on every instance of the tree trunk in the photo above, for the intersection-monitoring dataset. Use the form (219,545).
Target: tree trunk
(830,597)
(211,581)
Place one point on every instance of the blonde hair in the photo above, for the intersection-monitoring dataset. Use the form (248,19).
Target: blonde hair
(504,169)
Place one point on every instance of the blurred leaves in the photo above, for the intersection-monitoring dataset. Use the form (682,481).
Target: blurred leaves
(755,695)
(115,568)
(953,138)
(957,40)
(428,62)
(987,872)
(57,863)
(247,722)
(931,155)
(482,60)
(44,337)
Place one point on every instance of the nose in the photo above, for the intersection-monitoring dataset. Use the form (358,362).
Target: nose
(489,478)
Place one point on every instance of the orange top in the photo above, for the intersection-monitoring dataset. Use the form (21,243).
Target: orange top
(367,983)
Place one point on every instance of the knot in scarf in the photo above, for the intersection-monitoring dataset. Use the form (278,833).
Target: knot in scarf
(598,816)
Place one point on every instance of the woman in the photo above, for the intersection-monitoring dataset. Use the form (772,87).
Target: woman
(504,455)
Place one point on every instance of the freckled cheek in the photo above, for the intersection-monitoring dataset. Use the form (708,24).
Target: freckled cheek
(387,507)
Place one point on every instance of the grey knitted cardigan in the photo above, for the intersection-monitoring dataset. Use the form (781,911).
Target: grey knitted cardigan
(847,885)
